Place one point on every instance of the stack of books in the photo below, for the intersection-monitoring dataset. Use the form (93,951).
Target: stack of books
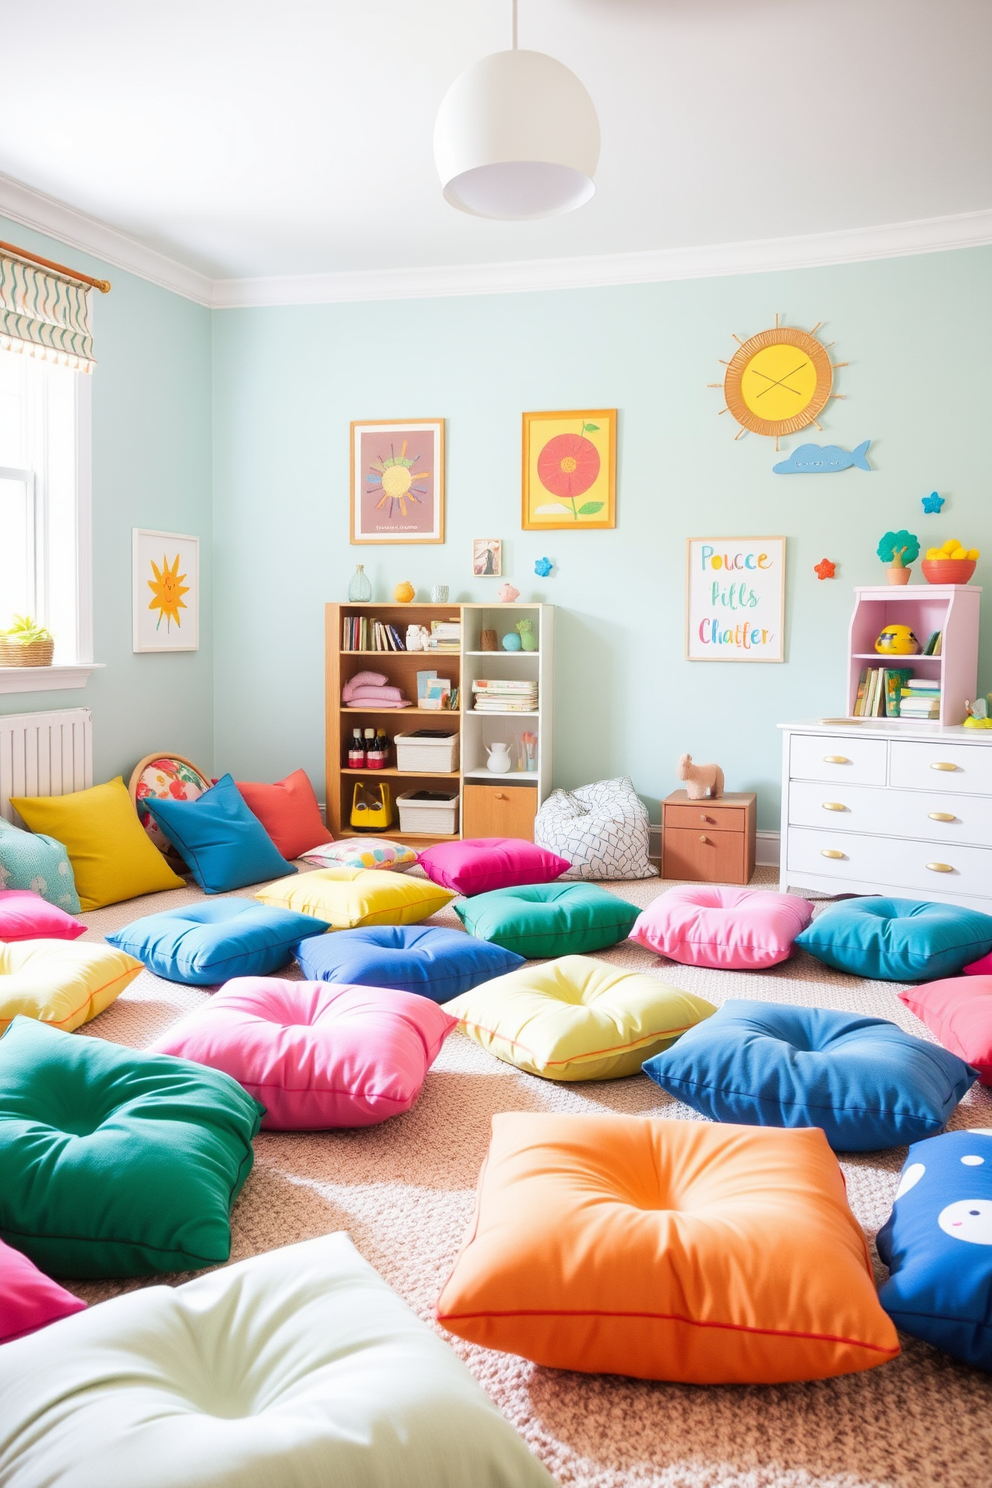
(880,692)
(920,699)
(446,635)
(498,696)
(362,633)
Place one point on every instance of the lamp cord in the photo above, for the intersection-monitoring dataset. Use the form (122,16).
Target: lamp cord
(514,25)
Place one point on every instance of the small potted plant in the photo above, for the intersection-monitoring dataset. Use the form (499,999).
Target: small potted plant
(898,550)
(26,644)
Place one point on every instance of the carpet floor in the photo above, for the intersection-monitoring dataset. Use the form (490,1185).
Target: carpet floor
(404,1191)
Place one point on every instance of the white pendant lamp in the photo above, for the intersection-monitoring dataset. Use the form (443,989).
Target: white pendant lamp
(517,137)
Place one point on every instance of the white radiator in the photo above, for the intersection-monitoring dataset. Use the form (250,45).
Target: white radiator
(44,754)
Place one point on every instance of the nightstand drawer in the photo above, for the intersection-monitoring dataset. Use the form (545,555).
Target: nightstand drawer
(704,856)
(704,816)
(845,758)
(940,767)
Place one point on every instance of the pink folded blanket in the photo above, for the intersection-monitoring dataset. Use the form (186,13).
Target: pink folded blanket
(363,679)
(379,697)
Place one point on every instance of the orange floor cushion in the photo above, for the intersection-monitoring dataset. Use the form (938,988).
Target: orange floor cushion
(668,1250)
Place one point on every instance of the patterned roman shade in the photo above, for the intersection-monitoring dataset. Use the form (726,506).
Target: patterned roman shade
(44,314)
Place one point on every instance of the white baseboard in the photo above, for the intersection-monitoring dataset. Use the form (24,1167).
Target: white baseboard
(767,849)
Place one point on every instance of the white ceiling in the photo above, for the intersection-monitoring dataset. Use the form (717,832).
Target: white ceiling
(283,137)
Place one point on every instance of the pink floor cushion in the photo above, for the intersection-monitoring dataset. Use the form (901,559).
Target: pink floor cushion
(25,915)
(731,929)
(478,864)
(981,967)
(28,1298)
(316,1054)
(958,1011)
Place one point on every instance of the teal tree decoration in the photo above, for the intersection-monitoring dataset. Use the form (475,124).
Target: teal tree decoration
(898,549)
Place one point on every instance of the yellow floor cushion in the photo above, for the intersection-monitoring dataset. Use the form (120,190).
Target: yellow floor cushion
(349,897)
(112,857)
(576,1018)
(64,983)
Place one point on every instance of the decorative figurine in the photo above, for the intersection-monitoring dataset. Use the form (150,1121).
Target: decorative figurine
(511,641)
(490,640)
(543,567)
(700,780)
(499,758)
(898,550)
(897,640)
(417,637)
(508,594)
(403,593)
(525,630)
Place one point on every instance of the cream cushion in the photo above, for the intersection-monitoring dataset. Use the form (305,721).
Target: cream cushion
(299,1368)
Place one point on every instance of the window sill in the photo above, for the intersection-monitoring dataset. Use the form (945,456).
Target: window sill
(58,678)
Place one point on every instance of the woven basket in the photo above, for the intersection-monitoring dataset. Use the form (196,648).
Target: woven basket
(33,654)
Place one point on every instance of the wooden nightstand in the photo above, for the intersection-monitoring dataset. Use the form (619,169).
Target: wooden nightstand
(708,841)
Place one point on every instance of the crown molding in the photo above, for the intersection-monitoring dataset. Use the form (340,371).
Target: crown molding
(46,215)
(760,256)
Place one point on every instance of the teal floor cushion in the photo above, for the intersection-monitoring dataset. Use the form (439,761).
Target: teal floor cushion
(551,919)
(898,940)
(114,1162)
(30,860)
(203,944)
(298,1368)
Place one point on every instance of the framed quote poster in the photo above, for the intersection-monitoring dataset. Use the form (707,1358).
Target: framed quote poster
(165,586)
(735,599)
(569,470)
(397,481)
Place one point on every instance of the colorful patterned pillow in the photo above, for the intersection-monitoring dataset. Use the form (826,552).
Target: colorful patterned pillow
(30,860)
(362,852)
(164,777)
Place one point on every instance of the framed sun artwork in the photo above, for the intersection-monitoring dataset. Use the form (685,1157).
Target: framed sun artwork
(397,481)
(779,381)
(569,470)
(165,580)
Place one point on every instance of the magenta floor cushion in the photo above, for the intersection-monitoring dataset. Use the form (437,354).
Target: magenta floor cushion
(25,915)
(28,1298)
(713,925)
(478,864)
(316,1054)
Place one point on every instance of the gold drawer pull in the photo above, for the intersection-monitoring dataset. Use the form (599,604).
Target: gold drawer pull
(839,759)
(832,806)
(942,765)
(940,868)
(831,852)
(941,816)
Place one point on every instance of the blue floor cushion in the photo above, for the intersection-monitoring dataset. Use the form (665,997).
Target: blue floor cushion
(864,1081)
(408,958)
(115,1162)
(223,841)
(549,919)
(937,1244)
(203,944)
(898,940)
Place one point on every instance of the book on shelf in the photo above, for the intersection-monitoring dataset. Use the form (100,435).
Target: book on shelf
(446,635)
(896,680)
(921,684)
(437,694)
(483,684)
(933,645)
(363,633)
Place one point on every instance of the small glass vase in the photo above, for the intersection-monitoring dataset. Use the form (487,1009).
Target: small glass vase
(360,588)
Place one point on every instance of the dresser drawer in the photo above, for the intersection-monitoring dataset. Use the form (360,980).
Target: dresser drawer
(849,759)
(917,868)
(704,856)
(943,767)
(923,814)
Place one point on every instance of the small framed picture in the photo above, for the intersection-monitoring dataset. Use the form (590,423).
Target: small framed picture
(735,599)
(165,585)
(397,481)
(487,555)
(569,470)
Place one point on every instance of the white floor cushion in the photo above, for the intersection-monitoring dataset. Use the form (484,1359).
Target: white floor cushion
(602,829)
(299,1368)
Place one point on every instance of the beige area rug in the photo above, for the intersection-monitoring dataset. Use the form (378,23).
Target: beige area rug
(404,1192)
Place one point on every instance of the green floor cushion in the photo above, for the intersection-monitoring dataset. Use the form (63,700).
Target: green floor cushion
(114,1162)
(298,1368)
(551,919)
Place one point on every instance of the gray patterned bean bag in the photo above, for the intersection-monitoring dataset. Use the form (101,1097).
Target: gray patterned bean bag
(602,829)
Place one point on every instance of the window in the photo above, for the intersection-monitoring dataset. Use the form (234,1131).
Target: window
(44,499)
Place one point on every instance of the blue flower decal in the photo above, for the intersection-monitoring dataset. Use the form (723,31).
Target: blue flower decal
(933,502)
(543,567)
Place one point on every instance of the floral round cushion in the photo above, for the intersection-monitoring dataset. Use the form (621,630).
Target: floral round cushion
(164,777)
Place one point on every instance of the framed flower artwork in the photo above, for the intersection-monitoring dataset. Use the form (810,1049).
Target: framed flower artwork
(397,481)
(569,469)
(165,577)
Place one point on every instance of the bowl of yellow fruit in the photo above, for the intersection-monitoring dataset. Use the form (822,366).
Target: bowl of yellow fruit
(951,564)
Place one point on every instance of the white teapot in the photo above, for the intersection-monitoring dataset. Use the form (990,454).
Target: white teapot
(499,758)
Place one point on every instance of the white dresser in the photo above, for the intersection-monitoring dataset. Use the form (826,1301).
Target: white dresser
(883,808)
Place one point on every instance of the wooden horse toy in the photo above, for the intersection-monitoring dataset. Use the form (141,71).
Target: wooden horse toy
(700,780)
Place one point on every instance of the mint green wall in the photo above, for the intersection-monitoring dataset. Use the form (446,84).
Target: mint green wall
(916,333)
(151,468)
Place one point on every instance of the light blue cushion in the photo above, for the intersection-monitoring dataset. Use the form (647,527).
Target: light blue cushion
(30,860)
(867,1084)
(898,940)
(549,919)
(937,1244)
(409,958)
(223,841)
(203,944)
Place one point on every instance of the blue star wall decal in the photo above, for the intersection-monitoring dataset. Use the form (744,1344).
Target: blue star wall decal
(933,502)
(543,567)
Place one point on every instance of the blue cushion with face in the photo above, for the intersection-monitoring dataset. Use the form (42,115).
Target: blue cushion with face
(937,1244)
(223,842)
(410,958)
(864,1081)
(898,940)
(203,944)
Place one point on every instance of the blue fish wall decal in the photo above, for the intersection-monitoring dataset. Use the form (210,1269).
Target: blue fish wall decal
(815,459)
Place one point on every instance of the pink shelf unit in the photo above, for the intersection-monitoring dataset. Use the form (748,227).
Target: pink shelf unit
(953,609)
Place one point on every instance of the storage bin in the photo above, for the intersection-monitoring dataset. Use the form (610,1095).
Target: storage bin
(433,812)
(433,750)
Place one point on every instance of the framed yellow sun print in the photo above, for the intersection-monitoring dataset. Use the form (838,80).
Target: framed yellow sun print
(165,577)
(778,381)
(569,469)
